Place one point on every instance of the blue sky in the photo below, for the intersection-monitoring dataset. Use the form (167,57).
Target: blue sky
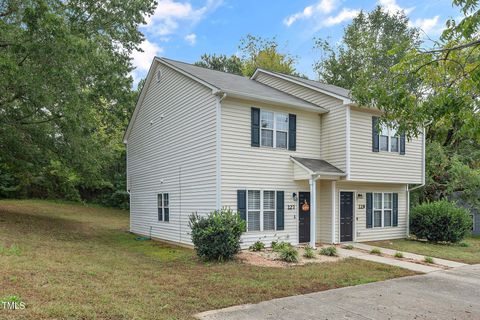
(184,30)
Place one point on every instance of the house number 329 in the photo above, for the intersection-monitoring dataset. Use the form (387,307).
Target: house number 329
(291,207)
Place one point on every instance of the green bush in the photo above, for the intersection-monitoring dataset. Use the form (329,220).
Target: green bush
(257,246)
(309,252)
(348,246)
(289,254)
(429,260)
(329,251)
(375,251)
(398,254)
(278,246)
(440,221)
(217,236)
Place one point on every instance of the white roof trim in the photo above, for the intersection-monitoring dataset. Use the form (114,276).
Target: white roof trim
(344,99)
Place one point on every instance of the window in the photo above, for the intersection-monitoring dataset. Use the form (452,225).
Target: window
(382,210)
(163,205)
(274,129)
(389,139)
(261,210)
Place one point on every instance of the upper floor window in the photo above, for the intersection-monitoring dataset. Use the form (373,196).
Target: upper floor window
(389,139)
(274,129)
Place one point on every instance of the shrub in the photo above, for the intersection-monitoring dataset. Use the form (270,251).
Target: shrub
(348,246)
(309,252)
(375,251)
(464,244)
(398,254)
(329,251)
(257,246)
(289,254)
(278,246)
(440,221)
(428,260)
(217,236)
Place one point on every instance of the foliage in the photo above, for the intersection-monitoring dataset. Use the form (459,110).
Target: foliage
(440,221)
(278,246)
(255,52)
(289,254)
(14,250)
(217,236)
(375,251)
(231,64)
(329,251)
(398,254)
(348,247)
(257,246)
(309,252)
(428,260)
(65,95)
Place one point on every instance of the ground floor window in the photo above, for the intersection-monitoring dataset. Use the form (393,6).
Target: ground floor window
(261,210)
(163,205)
(382,209)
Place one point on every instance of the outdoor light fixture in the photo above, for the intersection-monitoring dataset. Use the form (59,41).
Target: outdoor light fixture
(294,196)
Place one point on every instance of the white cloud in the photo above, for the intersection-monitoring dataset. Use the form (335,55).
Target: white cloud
(191,38)
(392,7)
(321,7)
(169,13)
(345,15)
(428,25)
(143,59)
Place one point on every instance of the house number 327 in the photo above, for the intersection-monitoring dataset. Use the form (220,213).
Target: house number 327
(291,207)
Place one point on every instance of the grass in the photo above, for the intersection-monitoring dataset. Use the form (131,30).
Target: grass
(376,251)
(467,252)
(79,262)
(398,254)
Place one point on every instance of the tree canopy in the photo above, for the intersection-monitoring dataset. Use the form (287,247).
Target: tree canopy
(65,93)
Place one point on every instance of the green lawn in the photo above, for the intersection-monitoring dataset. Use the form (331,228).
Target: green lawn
(470,254)
(68,261)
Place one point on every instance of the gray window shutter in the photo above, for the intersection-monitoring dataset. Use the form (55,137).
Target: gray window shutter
(369,209)
(395,210)
(402,143)
(375,136)
(255,130)
(242,203)
(280,210)
(292,132)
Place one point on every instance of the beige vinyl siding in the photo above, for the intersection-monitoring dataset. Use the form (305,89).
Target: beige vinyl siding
(179,150)
(390,167)
(333,137)
(299,91)
(246,167)
(324,211)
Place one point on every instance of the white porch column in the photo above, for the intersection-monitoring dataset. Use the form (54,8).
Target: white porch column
(334,209)
(313,211)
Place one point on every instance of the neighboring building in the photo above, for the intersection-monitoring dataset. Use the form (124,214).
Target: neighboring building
(297,158)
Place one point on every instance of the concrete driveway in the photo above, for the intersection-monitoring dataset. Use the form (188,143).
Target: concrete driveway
(452,294)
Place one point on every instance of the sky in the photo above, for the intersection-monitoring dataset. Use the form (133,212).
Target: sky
(184,30)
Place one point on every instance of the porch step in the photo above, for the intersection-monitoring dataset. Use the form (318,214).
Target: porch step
(408,255)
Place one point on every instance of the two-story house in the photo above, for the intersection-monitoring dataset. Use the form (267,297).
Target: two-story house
(296,158)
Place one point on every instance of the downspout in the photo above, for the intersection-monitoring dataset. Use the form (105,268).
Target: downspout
(219,97)
(416,187)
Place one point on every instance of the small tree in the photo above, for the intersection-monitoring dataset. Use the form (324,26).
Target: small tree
(217,236)
(440,221)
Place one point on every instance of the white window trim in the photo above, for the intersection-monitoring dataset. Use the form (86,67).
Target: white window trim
(274,130)
(389,141)
(383,210)
(162,207)
(262,210)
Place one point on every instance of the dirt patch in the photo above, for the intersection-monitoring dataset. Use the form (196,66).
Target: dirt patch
(270,258)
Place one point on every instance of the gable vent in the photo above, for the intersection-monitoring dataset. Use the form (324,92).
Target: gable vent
(159,75)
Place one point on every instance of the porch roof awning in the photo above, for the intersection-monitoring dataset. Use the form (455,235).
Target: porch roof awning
(318,166)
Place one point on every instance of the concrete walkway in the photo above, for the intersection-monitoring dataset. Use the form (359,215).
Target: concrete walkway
(387,260)
(408,255)
(448,294)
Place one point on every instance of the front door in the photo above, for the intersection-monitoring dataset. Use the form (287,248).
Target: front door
(303,217)
(346,216)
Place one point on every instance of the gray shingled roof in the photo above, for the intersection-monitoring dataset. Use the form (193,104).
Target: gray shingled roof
(235,84)
(318,165)
(323,86)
